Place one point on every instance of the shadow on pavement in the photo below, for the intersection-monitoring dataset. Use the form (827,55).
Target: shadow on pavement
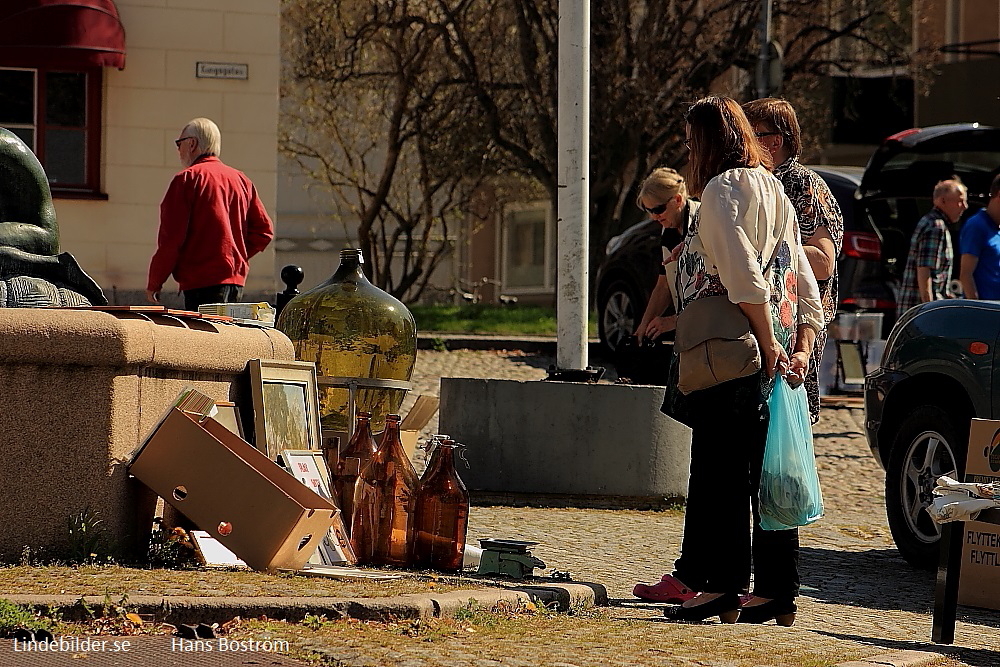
(971,657)
(878,579)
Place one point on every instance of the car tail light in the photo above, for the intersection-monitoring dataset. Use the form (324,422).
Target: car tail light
(899,136)
(870,304)
(861,245)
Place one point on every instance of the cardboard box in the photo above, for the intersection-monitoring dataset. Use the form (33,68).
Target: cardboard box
(979,583)
(418,416)
(234,492)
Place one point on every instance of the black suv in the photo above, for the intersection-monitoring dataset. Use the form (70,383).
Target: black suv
(881,203)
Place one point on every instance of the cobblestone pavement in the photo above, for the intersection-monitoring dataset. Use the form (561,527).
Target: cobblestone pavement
(856,587)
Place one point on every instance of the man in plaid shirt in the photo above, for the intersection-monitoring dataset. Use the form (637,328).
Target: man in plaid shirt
(928,266)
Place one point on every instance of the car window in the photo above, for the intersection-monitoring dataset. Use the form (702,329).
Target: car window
(910,174)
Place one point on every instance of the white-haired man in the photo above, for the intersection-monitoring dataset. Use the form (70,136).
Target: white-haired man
(211,223)
(927,274)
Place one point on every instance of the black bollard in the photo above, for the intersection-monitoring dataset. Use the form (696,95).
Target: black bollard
(292,276)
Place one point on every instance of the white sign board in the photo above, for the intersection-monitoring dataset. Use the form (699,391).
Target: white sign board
(205,70)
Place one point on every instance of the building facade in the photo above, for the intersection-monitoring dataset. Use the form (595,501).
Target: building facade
(100,89)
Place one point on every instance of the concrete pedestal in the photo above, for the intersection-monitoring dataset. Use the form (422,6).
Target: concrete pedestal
(589,441)
(80,391)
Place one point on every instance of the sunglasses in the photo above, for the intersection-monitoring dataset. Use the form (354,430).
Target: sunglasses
(177,142)
(655,210)
(760,135)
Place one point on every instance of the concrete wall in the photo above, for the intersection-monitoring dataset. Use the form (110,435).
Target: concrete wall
(82,389)
(563,438)
(146,105)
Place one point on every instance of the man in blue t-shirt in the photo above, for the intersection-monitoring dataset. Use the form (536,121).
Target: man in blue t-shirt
(979,243)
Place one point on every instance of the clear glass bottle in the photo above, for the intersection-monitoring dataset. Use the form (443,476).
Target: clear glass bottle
(351,328)
(348,467)
(395,491)
(442,516)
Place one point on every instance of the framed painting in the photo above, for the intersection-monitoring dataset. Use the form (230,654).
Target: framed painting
(285,406)
(309,467)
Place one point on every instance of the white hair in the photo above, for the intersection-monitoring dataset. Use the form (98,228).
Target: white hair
(206,132)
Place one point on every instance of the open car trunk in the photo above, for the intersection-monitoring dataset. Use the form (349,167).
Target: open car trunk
(900,177)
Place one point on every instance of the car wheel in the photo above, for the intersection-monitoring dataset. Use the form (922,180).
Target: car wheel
(927,445)
(618,314)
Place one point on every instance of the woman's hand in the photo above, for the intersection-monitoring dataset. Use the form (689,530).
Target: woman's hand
(660,325)
(798,365)
(772,356)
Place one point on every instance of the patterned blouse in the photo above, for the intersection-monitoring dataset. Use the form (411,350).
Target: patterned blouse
(743,217)
(815,207)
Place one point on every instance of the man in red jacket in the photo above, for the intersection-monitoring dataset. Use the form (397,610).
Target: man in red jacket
(211,223)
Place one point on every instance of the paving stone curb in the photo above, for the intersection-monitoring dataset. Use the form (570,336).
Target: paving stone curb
(895,659)
(190,609)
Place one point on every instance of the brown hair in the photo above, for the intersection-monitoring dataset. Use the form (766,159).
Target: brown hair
(779,116)
(721,138)
(662,184)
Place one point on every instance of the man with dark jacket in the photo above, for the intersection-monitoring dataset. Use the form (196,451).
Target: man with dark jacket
(211,223)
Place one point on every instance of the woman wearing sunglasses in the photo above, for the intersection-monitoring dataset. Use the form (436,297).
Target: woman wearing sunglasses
(744,245)
(663,196)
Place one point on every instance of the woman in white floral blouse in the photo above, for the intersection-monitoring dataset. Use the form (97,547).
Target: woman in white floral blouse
(744,219)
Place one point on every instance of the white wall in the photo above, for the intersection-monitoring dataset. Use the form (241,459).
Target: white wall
(146,105)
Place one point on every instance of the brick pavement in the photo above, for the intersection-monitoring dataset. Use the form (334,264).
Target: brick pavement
(860,599)
(856,587)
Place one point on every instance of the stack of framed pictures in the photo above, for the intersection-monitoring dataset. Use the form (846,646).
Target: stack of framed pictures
(287,429)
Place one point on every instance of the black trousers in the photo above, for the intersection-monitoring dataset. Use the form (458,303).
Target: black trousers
(729,429)
(213,294)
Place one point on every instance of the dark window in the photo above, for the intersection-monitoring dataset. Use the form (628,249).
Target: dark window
(866,110)
(57,113)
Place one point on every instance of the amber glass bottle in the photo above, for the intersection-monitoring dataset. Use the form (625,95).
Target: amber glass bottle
(353,458)
(395,485)
(442,519)
(351,328)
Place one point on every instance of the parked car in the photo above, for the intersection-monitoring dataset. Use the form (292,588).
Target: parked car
(938,371)
(626,277)
(881,204)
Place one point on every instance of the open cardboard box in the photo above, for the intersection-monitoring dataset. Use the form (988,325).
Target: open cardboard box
(233,491)
(415,420)
(979,580)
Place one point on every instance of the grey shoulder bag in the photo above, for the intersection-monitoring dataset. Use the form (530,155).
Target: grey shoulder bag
(714,342)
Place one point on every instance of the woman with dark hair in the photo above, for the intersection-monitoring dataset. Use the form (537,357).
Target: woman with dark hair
(744,245)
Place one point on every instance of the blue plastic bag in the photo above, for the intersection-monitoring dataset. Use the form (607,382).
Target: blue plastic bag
(789,486)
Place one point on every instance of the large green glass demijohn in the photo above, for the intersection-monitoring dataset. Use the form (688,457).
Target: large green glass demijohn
(351,328)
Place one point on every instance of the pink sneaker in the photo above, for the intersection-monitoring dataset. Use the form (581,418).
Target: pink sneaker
(670,589)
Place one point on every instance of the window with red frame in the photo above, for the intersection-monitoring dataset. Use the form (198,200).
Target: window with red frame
(57,113)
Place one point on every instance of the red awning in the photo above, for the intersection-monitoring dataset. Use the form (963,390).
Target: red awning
(61,33)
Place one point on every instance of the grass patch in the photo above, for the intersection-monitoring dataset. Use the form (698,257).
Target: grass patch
(14,616)
(489,319)
(522,634)
(99,579)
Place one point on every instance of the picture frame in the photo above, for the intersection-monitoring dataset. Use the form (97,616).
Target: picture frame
(309,467)
(285,406)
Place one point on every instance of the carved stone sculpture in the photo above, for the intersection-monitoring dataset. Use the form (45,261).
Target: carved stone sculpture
(33,274)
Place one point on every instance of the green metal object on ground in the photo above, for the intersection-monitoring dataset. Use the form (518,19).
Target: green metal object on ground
(509,558)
